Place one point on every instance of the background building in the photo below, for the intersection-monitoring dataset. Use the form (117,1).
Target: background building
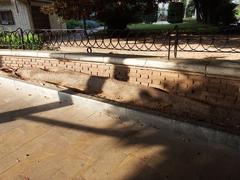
(27,15)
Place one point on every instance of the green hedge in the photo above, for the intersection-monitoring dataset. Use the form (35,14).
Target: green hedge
(15,41)
(72,24)
(175,12)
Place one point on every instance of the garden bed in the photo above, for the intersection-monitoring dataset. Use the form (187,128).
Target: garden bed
(145,98)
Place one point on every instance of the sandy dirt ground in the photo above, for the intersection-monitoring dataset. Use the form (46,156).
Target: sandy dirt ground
(146,98)
(181,55)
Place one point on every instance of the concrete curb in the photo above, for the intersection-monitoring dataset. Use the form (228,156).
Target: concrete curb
(222,68)
(162,123)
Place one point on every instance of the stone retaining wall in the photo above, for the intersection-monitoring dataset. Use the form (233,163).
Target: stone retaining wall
(190,80)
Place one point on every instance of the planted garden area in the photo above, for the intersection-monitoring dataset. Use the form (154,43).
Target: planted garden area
(20,40)
(124,28)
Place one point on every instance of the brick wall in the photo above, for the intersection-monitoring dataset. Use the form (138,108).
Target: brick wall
(221,91)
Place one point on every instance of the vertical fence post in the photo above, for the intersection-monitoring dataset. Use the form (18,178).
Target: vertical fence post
(176,41)
(169,44)
(22,38)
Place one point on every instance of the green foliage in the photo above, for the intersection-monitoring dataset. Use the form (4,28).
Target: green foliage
(216,12)
(184,2)
(32,41)
(69,9)
(190,9)
(150,13)
(117,15)
(191,26)
(238,12)
(175,12)
(72,24)
(148,19)
(15,41)
(226,13)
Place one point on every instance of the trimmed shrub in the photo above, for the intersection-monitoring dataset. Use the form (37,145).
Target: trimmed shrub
(32,41)
(15,41)
(175,12)
(73,24)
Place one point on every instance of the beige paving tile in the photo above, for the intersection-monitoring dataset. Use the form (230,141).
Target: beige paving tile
(64,141)
(18,136)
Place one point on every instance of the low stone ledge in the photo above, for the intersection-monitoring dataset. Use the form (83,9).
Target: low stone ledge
(219,68)
(215,83)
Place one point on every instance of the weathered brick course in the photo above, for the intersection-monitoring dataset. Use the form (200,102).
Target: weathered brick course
(222,91)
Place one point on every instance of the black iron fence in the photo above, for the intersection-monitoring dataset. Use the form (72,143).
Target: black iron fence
(171,41)
(209,43)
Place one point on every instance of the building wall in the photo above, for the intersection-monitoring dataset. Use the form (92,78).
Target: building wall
(20,15)
(55,21)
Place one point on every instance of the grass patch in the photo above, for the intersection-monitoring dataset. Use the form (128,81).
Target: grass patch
(186,26)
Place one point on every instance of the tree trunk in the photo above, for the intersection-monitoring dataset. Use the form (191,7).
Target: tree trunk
(84,24)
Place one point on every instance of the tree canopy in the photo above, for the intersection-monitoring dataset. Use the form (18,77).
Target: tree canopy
(115,14)
(70,9)
(118,13)
(215,11)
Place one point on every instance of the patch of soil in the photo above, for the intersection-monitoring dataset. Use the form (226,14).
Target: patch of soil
(145,98)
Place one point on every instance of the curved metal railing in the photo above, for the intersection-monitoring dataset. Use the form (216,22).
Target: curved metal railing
(209,43)
(115,40)
(172,40)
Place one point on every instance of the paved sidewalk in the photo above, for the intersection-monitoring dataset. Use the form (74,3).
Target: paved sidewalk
(44,139)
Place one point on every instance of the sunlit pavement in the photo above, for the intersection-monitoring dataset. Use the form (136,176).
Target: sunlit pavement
(44,139)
